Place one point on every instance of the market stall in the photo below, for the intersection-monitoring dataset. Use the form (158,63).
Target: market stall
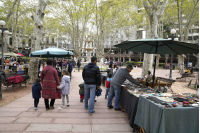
(153,111)
(154,117)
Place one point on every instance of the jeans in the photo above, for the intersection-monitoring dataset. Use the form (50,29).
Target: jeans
(36,101)
(63,99)
(70,74)
(78,68)
(46,101)
(116,90)
(107,91)
(89,92)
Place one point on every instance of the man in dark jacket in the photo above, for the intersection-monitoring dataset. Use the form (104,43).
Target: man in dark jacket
(92,79)
(70,68)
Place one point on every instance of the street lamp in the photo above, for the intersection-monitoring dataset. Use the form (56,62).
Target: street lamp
(113,55)
(173,38)
(3,31)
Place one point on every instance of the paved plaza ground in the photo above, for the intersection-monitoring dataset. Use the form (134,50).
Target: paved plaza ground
(20,116)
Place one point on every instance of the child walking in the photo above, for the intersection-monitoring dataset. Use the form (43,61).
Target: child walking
(36,92)
(108,84)
(65,87)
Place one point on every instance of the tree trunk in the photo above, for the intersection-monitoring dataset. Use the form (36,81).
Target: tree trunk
(157,60)
(147,64)
(197,55)
(10,12)
(36,38)
(166,58)
(181,63)
(154,13)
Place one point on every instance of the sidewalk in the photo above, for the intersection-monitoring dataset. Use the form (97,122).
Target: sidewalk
(20,116)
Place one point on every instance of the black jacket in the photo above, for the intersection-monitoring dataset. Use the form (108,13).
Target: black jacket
(36,90)
(91,74)
(70,67)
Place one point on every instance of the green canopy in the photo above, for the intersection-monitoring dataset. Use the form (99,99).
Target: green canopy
(9,54)
(51,52)
(159,46)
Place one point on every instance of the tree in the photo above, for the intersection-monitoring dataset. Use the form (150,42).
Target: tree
(36,38)
(154,10)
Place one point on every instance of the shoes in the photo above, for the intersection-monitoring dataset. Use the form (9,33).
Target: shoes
(105,97)
(47,109)
(118,109)
(67,104)
(35,108)
(95,100)
(92,112)
(110,107)
(81,100)
(63,107)
(52,107)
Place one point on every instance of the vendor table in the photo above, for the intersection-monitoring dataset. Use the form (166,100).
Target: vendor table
(129,103)
(155,119)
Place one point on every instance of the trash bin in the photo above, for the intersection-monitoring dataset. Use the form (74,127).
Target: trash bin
(173,67)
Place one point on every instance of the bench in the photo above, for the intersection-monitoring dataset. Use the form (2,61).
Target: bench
(185,75)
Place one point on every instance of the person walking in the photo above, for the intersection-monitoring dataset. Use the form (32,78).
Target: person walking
(50,81)
(73,65)
(36,92)
(92,79)
(110,70)
(70,68)
(78,65)
(108,80)
(65,87)
(115,85)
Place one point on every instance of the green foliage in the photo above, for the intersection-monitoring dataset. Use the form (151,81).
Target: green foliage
(133,63)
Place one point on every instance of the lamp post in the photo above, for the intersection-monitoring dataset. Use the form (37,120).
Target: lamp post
(173,38)
(3,31)
(112,56)
(188,62)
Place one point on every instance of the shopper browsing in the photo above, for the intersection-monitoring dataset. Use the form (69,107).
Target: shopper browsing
(36,92)
(92,79)
(65,87)
(115,85)
(108,80)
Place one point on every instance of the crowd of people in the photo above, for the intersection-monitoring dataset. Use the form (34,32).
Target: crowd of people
(52,89)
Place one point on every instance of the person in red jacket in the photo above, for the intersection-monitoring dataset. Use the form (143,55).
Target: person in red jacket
(108,85)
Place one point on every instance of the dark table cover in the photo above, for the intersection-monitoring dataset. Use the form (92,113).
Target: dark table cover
(129,103)
(155,119)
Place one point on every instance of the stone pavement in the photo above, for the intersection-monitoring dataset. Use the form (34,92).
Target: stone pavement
(20,116)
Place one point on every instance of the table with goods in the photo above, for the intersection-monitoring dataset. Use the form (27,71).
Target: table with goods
(160,112)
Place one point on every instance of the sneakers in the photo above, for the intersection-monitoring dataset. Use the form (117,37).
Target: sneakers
(105,97)
(110,107)
(52,107)
(118,109)
(47,109)
(35,108)
(92,112)
(63,107)
(67,104)
(95,100)
(81,100)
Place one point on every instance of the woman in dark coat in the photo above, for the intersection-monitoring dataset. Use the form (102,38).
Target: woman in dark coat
(50,81)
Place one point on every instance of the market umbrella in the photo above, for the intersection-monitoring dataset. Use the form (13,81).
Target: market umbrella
(10,54)
(20,54)
(51,52)
(158,46)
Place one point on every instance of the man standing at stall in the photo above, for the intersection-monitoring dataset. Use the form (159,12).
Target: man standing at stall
(92,79)
(115,85)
